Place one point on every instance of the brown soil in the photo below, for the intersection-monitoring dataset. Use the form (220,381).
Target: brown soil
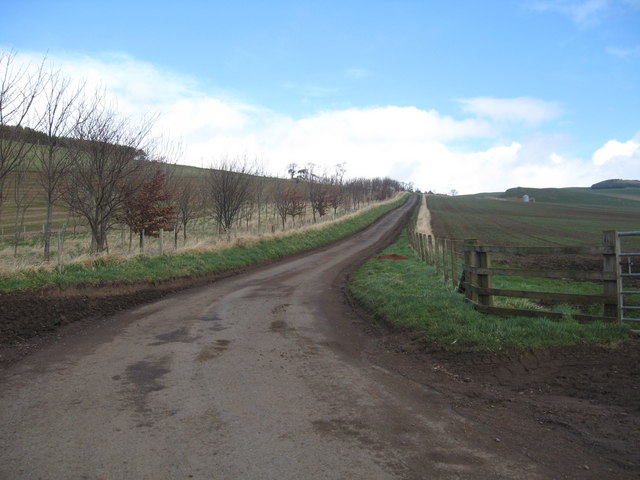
(392,256)
(582,401)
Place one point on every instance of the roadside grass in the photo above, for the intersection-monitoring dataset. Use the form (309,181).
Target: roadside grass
(246,252)
(410,295)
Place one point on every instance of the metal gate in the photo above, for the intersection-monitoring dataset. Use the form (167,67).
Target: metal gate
(629,269)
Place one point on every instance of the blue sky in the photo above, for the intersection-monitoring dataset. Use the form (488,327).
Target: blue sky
(466,95)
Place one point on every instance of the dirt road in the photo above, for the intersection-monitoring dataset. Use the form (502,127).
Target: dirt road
(423,224)
(265,375)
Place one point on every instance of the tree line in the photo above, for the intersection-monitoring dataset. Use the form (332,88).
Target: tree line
(109,170)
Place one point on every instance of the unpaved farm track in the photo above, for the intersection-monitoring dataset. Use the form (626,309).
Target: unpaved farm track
(272,374)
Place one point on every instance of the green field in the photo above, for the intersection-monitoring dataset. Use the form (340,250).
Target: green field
(558,217)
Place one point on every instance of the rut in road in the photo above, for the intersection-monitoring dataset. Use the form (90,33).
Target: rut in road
(259,376)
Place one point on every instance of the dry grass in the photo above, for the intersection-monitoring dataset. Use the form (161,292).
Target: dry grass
(200,240)
(423,224)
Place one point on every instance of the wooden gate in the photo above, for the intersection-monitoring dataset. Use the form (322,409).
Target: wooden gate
(628,270)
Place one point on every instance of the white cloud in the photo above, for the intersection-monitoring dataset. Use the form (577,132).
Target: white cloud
(527,110)
(614,149)
(403,142)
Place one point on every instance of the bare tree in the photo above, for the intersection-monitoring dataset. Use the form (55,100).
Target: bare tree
(319,198)
(18,92)
(288,201)
(335,195)
(187,201)
(109,152)
(259,192)
(337,189)
(53,156)
(317,190)
(23,197)
(228,190)
(292,169)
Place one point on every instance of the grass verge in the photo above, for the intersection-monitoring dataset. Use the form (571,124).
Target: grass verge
(108,269)
(409,294)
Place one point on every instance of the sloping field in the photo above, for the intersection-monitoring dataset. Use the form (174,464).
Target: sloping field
(559,216)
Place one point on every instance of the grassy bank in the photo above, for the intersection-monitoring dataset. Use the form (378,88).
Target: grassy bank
(409,295)
(109,269)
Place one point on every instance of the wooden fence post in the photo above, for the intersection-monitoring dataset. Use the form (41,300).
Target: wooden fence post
(454,265)
(611,265)
(416,241)
(484,279)
(470,278)
(423,247)
(59,252)
(430,250)
(437,255)
(445,259)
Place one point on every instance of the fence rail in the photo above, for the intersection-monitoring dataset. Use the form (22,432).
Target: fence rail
(477,275)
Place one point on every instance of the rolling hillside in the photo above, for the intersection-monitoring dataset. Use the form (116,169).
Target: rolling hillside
(558,216)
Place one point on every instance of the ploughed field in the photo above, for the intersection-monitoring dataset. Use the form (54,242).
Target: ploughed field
(571,217)
(558,217)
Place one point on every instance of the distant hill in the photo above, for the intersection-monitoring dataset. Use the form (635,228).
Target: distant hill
(621,198)
(616,183)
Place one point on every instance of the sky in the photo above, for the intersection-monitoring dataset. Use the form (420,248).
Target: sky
(471,96)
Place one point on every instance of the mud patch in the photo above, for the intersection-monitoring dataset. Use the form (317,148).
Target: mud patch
(278,309)
(214,350)
(216,322)
(392,256)
(454,461)
(281,327)
(177,336)
(143,378)
(344,428)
